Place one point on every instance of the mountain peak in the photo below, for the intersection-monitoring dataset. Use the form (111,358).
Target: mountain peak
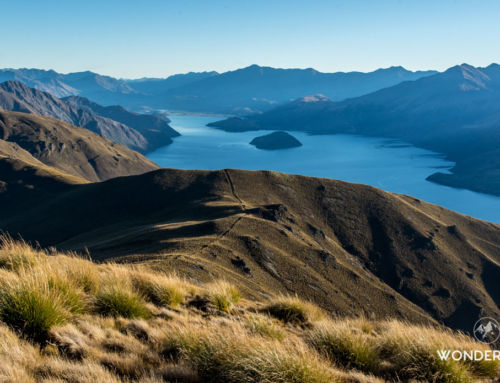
(252,67)
(466,66)
(470,77)
(22,90)
(397,68)
(476,78)
(315,98)
(11,85)
(392,69)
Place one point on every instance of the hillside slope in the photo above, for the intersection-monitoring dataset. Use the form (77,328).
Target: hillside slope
(153,127)
(137,131)
(17,97)
(76,151)
(350,248)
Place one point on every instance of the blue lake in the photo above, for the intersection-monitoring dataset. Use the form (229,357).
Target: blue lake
(379,162)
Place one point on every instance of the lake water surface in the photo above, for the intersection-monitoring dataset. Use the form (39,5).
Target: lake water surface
(387,164)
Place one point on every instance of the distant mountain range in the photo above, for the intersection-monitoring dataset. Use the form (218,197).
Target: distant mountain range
(456,112)
(257,88)
(243,91)
(142,132)
(158,86)
(88,84)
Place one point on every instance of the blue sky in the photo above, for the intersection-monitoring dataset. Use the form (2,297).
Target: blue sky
(157,38)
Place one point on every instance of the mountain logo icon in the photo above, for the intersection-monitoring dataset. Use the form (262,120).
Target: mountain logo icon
(487,330)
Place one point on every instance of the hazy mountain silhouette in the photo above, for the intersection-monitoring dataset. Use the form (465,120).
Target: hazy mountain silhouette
(155,86)
(241,91)
(89,84)
(456,112)
(257,88)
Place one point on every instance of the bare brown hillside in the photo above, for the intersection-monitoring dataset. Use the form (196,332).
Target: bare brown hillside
(76,151)
(15,96)
(351,248)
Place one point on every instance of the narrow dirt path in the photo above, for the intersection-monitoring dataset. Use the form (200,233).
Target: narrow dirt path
(233,191)
(238,217)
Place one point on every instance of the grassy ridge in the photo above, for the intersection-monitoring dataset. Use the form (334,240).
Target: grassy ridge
(66,319)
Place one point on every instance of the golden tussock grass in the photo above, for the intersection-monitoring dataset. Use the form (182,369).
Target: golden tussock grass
(264,326)
(162,290)
(66,319)
(223,295)
(397,350)
(291,309)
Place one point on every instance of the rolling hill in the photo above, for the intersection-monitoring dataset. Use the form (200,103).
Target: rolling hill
(455,112)
(137,131)
(79,152)
(352,249)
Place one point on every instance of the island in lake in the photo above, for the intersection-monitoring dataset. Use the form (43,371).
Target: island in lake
(276,141)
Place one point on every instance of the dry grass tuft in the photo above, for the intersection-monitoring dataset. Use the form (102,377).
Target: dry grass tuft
(34,303)
(16,357)
(116,301)
(223,295)
(160,290)
(16,254)
(293,310)
(229,354)
(61,370)
(81,272)
(345,344)
(264,326)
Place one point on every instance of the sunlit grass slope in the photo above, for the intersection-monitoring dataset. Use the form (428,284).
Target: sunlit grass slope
(66,319)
